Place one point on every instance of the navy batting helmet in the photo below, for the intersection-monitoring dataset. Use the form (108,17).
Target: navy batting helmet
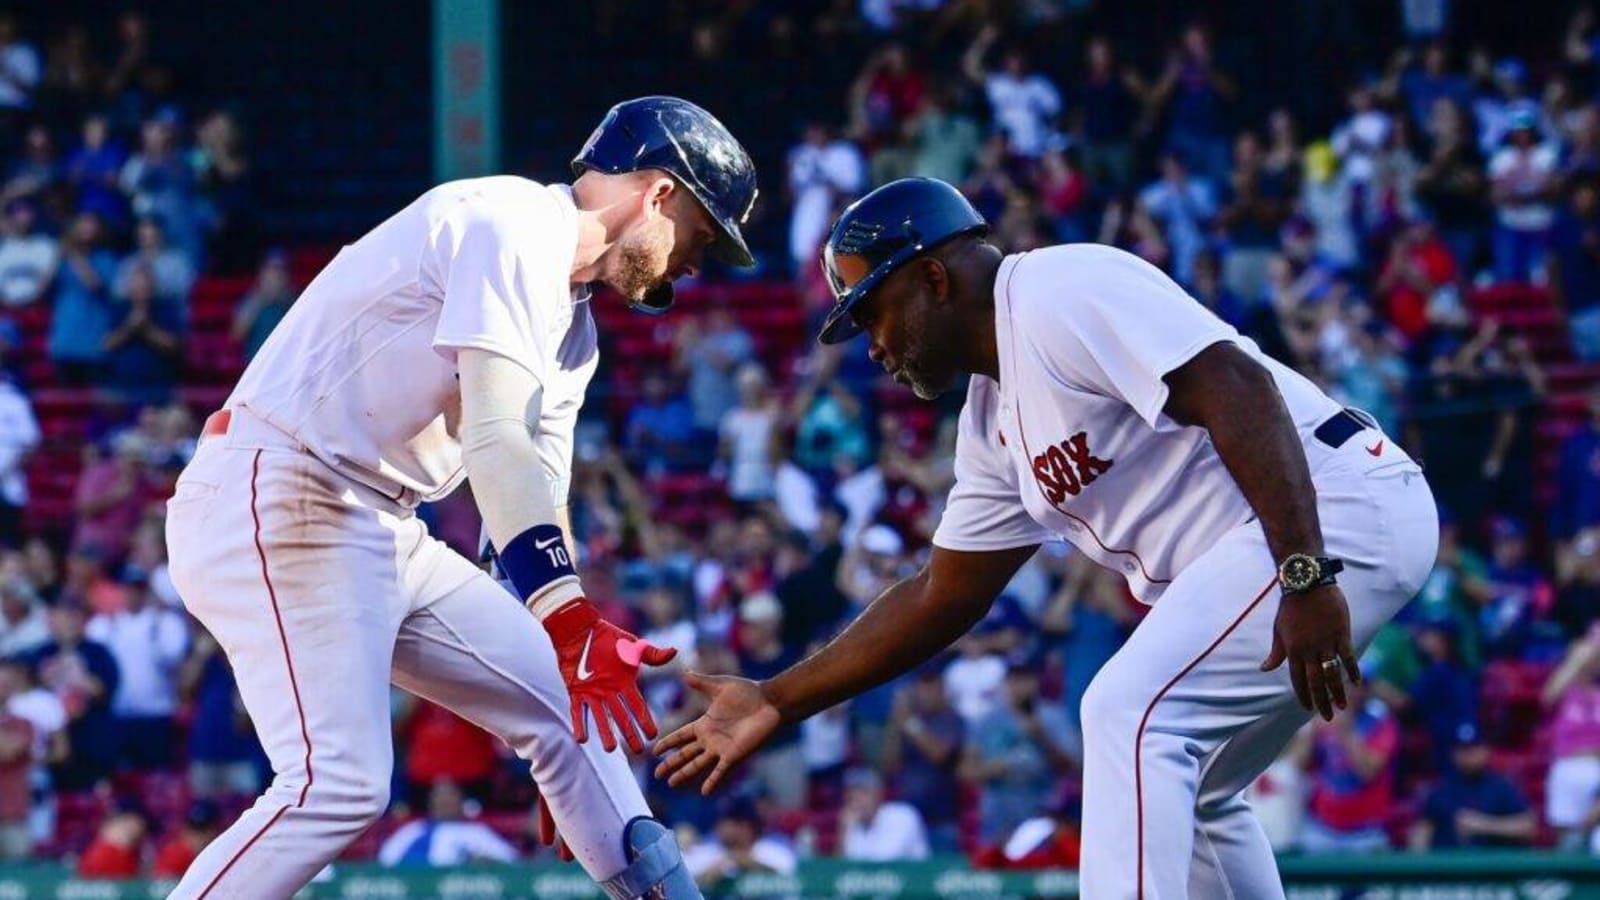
(689,143)
(881,232)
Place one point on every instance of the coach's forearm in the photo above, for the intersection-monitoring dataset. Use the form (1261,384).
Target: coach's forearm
(1235,399)
(898,630)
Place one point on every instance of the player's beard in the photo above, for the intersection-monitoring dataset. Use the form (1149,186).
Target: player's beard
(643,255)
(917,355)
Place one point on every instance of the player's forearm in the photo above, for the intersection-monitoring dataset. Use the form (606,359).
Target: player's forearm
(898,630)
(1237,402)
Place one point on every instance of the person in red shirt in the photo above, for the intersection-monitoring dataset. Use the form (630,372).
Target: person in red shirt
(1044,842)
(117,850)
(1352,762)
(200,827)
(445,747)
(16,765)
(1419,264)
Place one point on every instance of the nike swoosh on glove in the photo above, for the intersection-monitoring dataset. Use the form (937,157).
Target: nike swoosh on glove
(600,664)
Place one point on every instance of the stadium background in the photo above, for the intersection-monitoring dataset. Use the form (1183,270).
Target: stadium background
(741,491)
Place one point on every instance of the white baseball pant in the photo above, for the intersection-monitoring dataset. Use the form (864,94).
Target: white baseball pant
(322,591)
(1181,720)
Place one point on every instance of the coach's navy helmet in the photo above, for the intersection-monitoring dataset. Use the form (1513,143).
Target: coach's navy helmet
(881,232)
(689,143)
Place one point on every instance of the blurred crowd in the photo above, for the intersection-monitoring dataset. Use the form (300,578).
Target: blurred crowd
(744,494)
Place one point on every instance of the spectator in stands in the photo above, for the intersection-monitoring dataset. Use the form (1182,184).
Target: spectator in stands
(82,304)
(875,560)
(19,73)
(831,425)
(445,837)
(1523,186)
(886,92)
(19,437)
(1445,692)
(226,182)
(23,625)
(443,747)
(1016,753)
(1572,793)
(171,270)
(144,350)
(945,138)
(737,846)
(1106,110)
(17,743)
(875,830)
(1353,776)
(1577,504)
(1418,266)
(748,435)
(1575,259)
(922,755)
(1374,377)
(265,306)
(27,257)
(43,569)
(160,182)
(37,171)
(1327,193)
(223,751)
(149,642)
(780,766)
(660,435)
(1051,840)
(825,173)
(1578,583)
(94,170)
(73,78)
(710,351)
(1183,205)
(1086,619)
(83,675)
(1474,806)
(1512,620)
(201,825)
(44,712)
(1024,101)
(118,847)
(1253,209)
(1451,186)
(1195,94)
(1422,87)
(111,498)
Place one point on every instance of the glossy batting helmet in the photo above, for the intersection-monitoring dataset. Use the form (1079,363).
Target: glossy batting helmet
(881,232)
(689,143)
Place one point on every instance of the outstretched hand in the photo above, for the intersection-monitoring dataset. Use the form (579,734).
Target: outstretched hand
(739,719)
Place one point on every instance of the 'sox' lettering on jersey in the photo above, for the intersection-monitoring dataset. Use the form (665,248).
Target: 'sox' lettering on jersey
(1068,467)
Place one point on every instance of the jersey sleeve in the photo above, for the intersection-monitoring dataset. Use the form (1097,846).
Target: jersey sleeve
(984,511)
(488,276)
(1110,323)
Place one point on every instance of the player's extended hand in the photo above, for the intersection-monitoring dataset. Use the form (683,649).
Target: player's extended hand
(1312,628)
(547,830)
(600,663)
(739,719)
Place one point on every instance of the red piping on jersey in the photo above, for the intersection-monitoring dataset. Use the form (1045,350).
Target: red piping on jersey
(294,686)
(1022,435)
(1138,737)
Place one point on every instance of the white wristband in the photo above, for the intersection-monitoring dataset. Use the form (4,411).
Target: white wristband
(555,595)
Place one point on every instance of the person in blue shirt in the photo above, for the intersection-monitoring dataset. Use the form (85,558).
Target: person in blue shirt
(82,302)
(1474,806)
(144,351)
(1575,253)
(1577,504)
(660,434)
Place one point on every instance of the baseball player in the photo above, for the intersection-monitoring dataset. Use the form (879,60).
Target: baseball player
(454,340)
(1110,409)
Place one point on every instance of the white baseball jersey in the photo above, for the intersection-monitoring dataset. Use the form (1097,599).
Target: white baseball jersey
(362,370)
(1072,441)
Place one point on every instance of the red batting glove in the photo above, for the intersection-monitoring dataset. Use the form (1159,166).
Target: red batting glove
(600,663)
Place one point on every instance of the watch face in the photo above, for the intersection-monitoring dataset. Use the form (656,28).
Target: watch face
(1299,572)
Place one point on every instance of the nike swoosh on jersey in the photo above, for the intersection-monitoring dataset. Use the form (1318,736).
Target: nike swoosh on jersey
(584,672)
(1375,449)
(540,545)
